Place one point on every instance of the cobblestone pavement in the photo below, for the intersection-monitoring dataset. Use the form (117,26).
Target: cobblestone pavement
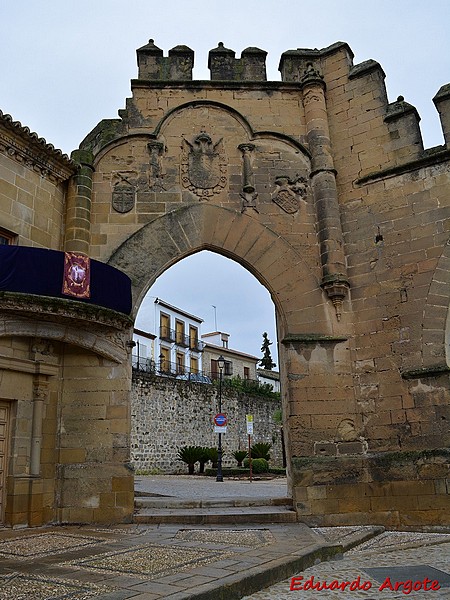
(146,562)
(178,563)
(152,562)
(395,555)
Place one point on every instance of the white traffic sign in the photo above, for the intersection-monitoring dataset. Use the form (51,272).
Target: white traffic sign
(249,420)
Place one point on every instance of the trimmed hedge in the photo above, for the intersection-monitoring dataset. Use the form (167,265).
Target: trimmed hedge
(242,472)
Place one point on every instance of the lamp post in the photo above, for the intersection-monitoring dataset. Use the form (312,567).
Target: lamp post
(221,365)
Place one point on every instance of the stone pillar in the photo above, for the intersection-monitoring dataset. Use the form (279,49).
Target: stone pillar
(323,183)
(403,121)
(247,173)
(249,195)
(181,61)
(155,149)
(150,59)
(40,393)
(78,207)
(253,64)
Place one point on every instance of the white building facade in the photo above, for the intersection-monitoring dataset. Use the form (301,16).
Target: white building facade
(178,342)
(270,378)
(144,351)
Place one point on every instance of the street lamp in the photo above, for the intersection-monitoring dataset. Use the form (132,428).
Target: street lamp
(221,365)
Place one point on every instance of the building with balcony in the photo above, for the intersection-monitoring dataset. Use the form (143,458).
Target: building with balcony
(236,363)
(178,342)
(144,355)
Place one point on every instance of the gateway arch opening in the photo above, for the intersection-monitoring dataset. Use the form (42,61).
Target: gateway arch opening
(203,309)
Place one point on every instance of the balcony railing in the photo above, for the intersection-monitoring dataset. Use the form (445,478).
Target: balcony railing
(166,334)
(171,335)
(196,345)
(179,372)
(164,368)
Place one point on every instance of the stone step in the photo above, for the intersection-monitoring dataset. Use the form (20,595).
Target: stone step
(166,502)
(216,515)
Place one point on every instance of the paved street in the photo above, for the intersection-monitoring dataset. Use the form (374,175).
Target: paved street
(192,486)
(396,555)
(221,562)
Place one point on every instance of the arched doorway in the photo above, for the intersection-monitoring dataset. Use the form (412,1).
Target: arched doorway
(229,310)
(164,241)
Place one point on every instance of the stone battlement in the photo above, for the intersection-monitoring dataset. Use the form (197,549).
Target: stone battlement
(333,63)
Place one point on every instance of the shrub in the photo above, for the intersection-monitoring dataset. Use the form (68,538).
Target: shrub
(190,455)
(205,457)
(261,450)
(213,454)
(259,465)
(239,455)
(251,387)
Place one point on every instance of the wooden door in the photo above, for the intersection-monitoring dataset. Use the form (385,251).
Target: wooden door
(4,431)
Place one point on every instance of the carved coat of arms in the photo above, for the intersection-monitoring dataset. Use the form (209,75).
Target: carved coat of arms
(123,196)
(289,192)
(203,166)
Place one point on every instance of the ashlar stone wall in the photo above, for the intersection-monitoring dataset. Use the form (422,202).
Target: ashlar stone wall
(167,414)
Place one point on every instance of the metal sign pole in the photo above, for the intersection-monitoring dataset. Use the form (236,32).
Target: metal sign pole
(249,420)
(250,456)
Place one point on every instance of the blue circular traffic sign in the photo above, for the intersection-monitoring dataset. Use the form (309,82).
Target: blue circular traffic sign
(220,420)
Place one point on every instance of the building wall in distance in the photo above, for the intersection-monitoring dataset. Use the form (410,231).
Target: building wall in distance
(167,414)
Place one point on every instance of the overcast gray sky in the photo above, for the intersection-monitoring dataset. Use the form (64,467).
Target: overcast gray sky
(67,64)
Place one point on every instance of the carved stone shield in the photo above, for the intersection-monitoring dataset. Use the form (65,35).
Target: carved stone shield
(203,166)
(288,193)
(123,197)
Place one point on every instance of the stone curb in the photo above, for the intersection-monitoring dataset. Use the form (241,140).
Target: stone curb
(234,587)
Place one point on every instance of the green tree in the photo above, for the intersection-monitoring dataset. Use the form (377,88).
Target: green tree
(266,362)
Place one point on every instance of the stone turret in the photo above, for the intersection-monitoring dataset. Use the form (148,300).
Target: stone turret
(154,66)
(442,103)
(225,67)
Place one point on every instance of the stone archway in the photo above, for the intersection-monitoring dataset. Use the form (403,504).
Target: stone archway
(318,186)
(296,293)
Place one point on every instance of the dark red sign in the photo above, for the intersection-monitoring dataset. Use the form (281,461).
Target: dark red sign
(77,275)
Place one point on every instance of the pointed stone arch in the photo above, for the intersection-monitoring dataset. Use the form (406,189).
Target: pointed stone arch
(295,291)
(436,315)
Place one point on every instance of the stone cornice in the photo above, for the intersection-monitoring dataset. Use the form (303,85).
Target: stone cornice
(50,308)
(431,157)
(313,338)
(23,365)
(207,84)
(433,371)
(27,148)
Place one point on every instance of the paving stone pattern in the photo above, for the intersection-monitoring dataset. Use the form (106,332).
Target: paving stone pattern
(390,550)
(178,563)
(44,544)
(149,560)
(24,587)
